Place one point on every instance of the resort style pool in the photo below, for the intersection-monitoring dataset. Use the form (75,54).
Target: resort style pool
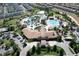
(31,21)
(53,22)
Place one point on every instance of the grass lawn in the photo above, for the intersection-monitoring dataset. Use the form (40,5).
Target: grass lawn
(8,22)
(11,22)
(7,42)
(44,52)
(1,22)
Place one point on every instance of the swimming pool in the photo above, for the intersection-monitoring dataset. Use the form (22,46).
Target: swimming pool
(53,22)
(31,21)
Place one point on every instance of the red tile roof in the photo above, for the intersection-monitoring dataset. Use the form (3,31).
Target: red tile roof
(36,34)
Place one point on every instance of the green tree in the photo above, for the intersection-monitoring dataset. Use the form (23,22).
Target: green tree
(55,48)
(24,44)
(77,14)
(38,51)
(72,43)
(61,52)
(4,21)
(57,12)
(10,28)
(1,42)
(50,14)
(16,48)
(12,42)
(59,39)
(47,10)
(55,28)
(48,49)
(28,53)
(17,53)
(33,49)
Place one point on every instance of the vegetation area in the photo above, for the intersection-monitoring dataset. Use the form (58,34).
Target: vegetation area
(10,44)
(77,14)
(73,36)
(74,46)
(12,23)
(72,23)
(45,50)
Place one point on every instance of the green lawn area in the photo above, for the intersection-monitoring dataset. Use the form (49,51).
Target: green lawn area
(44,52)
(1,22)
(11,22)
(7,42)
(8,22)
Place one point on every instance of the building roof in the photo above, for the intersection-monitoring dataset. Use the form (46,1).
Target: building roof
(39,34)
(3,29)
(41,12)
(69,37)
(43,42)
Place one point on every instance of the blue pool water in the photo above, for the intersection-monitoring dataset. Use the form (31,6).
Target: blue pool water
(30,22)
(53,22)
